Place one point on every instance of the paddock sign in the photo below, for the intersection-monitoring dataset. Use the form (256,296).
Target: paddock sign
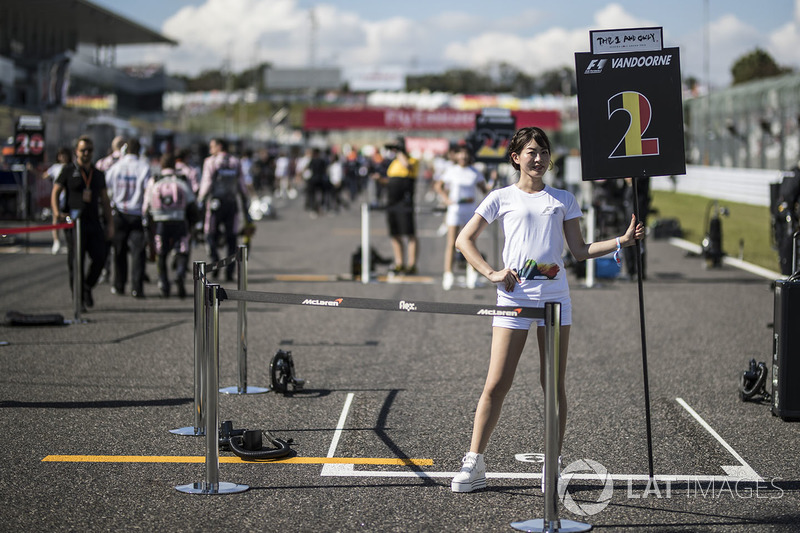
(629,106)
(29,138)
(494,129)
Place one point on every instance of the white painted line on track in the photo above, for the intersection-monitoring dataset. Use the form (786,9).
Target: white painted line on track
(732,261)
(745,471)
(348,470)
(340,425)
(741,472)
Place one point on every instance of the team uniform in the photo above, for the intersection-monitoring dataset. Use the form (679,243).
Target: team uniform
(400,197)
(221,186)
(127,180)
(461,183)
(166,201)
(533,225)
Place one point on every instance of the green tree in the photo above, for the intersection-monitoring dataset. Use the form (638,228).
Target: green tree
(451,81)
(755,65)
(558,81)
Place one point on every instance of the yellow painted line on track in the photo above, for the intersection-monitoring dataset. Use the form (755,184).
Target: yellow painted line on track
(348,277)
(307,277)
(201,459)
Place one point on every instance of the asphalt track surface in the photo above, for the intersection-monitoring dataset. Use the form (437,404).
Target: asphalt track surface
(386,413)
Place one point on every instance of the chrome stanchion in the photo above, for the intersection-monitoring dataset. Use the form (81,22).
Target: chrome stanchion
(199,428)
(365,249)
(77,268)
(241,326)
(212,484)
(552,343)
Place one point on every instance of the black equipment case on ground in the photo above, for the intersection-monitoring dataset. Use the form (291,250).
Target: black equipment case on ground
(786,350)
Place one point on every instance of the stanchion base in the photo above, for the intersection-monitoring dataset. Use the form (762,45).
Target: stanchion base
(539,526)
(189,431)
(212,488)
(247,390)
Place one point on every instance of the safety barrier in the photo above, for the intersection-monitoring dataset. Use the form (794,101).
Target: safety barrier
(211,295)
(210,332)
(73,222)
(199,271)
(552,367)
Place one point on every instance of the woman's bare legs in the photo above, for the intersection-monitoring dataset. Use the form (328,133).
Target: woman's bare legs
(507,346)
(449,251)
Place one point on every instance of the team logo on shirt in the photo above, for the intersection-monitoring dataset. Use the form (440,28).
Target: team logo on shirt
(534,270)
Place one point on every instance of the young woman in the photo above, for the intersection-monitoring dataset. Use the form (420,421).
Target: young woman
(458,188)
(536,220)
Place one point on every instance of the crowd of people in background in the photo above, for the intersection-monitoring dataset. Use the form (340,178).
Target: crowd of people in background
(163,205)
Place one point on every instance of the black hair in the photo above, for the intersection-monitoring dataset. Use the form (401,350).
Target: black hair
(522,137)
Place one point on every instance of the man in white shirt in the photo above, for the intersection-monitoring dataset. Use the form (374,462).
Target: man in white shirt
(126,180)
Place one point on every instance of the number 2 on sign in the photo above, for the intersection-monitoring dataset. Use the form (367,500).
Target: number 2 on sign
(640,112)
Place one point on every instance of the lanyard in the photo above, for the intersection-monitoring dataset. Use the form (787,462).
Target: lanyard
(87,181)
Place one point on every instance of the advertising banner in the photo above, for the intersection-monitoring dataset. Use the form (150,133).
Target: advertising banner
(316,119)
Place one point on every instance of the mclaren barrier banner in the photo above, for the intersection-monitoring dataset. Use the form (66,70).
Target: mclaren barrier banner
(408,306)
(630,108)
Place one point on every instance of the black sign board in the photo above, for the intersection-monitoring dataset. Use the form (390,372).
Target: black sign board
(29,138)
(494,129)
(630,114)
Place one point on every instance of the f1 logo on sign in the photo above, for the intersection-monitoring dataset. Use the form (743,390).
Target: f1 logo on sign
(630,112)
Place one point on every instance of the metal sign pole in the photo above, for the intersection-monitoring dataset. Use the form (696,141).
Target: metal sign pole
(365,250)
(552,435)
(241,325)
(199,428)
(77,268)
(639,269)
(590,233)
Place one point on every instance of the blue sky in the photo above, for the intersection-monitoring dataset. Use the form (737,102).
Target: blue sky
(422,35)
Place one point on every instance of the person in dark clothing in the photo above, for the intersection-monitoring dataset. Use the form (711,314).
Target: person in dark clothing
(316,185)
(86,196)
(643,186)
(787,218)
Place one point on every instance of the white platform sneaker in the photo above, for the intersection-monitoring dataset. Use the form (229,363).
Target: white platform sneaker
(472,475)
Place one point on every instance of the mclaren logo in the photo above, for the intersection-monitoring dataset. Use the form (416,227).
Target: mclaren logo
(323,303)
(499,312)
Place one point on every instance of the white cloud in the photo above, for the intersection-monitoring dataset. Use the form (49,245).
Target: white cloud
(547,50)
(784,42)
(280,32)
(614,16)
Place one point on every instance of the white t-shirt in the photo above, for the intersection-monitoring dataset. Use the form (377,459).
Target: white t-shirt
(462,188)
(282,167)
(533,225)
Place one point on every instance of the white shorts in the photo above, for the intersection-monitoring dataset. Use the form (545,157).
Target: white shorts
(459,214)
(509,322)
